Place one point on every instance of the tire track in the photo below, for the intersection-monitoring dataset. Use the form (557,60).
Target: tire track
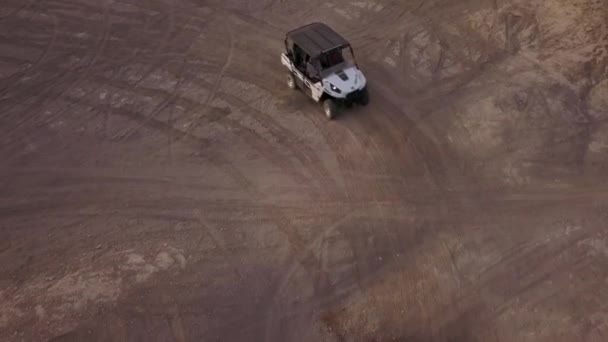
(167,101)
(24,73)
(155,124)
(305,155)
(17,11)
(133,57)
(45,101)
(391,236)
(298,261)
(264,148)
(350,189)
(280,220)
(216,84)
(172,96)
(65,109)
(420,137)
(536,273)
(305,258)
(376,26)
(217,238)
(159,62)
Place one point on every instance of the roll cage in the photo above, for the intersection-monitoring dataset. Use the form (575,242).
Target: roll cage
(315,49)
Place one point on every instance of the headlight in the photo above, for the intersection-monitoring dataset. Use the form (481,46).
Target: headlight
(334,88)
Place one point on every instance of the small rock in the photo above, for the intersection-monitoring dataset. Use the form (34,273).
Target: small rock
(164,260)
(40,312)
(181,260)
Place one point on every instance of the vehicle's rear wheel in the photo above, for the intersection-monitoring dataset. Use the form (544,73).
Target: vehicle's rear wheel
(364,97)
(330,108)
(291,81)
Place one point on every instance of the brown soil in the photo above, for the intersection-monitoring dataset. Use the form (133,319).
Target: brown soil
(159,181)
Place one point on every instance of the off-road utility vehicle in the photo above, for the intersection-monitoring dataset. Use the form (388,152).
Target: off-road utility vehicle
(322,63)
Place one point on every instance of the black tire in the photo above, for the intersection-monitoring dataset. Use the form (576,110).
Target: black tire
(291,82)
(330,108)
(364,97)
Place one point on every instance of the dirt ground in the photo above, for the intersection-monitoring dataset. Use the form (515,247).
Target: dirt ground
(160,182)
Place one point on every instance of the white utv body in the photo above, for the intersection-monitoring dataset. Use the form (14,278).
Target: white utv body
(322,63)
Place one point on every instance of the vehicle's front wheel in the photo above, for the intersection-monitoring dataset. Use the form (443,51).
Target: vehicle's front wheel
(331,108)
(291,81)
(364,97)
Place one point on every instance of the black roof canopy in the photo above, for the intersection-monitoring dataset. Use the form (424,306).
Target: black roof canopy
(316,38)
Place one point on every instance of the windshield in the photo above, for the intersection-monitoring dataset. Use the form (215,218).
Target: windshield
(336,57)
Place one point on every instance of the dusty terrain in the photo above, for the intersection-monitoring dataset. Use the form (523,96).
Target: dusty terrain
(159,181)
